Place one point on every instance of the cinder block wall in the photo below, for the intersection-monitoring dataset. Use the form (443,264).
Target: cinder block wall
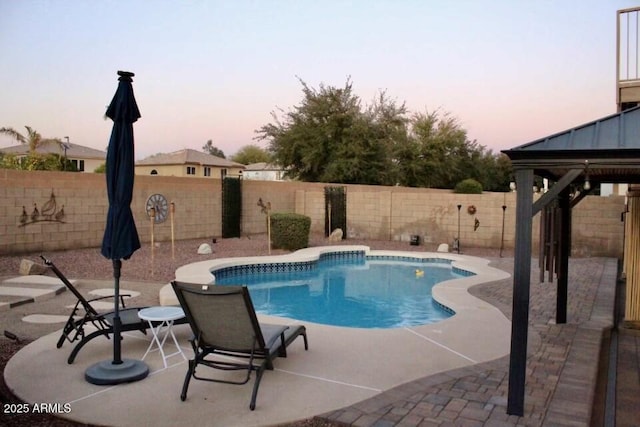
(197,202)
(21,193)
(281,195)
(396,213)
(597,227)
(83,199)
(373,212)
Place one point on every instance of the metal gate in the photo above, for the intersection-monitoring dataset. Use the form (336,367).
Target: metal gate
(335,210)
(231,206)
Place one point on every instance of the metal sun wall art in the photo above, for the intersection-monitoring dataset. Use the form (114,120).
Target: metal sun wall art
(49,212)
(471,210)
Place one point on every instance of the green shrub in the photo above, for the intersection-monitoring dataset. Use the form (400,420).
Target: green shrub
(468,186)
(37,162)
(290,231)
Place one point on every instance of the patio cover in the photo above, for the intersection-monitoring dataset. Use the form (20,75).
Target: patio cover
(605,150)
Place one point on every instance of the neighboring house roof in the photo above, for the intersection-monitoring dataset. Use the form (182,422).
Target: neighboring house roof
(188,156)
(52,147)
(262,166)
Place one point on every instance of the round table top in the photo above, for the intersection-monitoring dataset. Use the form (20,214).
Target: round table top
(161,313)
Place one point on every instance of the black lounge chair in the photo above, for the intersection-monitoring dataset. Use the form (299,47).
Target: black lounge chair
(224,323)
(84,314)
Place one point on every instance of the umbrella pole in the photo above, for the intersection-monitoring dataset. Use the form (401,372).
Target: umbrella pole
(117,324)
(152,217)
(269,225)
(173,246)
(116,371)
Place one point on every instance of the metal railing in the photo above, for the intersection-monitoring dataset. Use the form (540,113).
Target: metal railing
(628,48)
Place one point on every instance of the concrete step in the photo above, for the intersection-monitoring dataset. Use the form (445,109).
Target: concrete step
(27,289)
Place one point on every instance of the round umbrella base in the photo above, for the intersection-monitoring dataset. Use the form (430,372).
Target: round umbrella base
(108,373)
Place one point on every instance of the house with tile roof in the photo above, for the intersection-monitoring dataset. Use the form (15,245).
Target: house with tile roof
(85,159)
(263,172)
(188,163)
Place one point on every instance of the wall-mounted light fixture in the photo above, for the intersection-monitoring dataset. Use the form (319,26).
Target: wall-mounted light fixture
(587,183)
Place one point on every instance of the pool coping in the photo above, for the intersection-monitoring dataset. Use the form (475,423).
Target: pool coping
(448,293)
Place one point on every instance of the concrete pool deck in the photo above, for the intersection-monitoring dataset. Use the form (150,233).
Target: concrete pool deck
(342,367)
(345,374)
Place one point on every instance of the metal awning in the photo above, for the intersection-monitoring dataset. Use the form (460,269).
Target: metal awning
(605,150)
(608,148)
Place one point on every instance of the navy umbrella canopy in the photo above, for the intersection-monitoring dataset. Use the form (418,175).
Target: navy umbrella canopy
(120,236)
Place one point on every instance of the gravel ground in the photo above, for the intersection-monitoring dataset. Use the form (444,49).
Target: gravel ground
(147,271)
(144,265)
(159,265)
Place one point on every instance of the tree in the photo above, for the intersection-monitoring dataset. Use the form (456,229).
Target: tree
(436,153)
(211,149)
(330,138)
(37,162)
(33,138)
(497,172)
(251,154)
(33,160)
(439,155)
(389,123)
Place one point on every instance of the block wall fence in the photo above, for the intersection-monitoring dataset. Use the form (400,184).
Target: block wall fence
(373,212)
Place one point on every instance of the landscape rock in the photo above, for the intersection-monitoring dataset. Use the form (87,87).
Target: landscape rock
(204,249)
(443,247)
(28,268)
(336,235)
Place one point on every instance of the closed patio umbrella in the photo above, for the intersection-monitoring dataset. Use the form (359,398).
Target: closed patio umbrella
(121,236)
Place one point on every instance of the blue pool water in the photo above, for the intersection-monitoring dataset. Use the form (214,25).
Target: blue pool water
(349,290)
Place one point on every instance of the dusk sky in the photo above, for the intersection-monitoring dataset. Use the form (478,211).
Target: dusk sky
(510,71)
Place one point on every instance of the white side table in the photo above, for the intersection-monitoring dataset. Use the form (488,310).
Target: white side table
(163,317)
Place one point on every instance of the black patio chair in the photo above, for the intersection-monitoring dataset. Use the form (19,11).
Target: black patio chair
(224,324)
(84,314)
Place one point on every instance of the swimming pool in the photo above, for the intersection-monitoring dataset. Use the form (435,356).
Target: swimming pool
(347,288)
